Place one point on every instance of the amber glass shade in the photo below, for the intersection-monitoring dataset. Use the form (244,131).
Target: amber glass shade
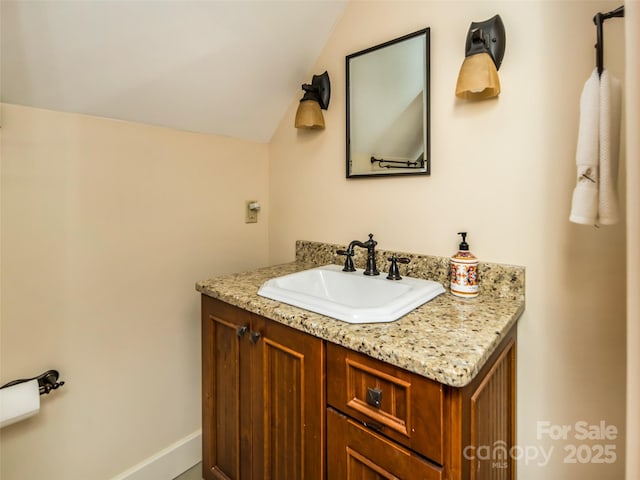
(309,115)
(478,78)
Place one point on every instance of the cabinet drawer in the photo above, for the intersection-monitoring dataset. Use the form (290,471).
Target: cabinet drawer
(399,404)
(355,452)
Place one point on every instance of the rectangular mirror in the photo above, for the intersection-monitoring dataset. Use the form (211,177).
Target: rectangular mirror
(388,108)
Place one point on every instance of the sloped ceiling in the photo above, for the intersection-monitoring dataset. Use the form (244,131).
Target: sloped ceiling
(222,67)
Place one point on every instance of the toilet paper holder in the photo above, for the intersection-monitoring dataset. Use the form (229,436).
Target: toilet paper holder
(47,381)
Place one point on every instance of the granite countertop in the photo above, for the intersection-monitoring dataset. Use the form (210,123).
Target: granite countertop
(447,339)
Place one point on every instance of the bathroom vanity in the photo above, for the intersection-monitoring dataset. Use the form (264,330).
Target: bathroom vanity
(291,394)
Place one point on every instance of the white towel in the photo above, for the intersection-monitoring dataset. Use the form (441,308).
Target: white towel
(610,93)
(595,198)
(584,208)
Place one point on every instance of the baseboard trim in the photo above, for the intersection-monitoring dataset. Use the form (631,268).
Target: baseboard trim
(169,462)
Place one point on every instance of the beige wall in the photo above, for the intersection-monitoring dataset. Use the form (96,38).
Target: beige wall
(106,227)
(503,170)
(632,38)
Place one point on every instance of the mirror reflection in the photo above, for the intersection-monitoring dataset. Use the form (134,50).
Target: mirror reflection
(388,108)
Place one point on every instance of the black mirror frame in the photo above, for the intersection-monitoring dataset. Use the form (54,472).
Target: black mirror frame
(427,92)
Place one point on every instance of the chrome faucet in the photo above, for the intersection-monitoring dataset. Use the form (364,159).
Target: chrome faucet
(370,245)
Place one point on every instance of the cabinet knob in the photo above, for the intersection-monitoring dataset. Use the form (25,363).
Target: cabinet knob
(255,336)
(241,330)
(374,426)
(374,397)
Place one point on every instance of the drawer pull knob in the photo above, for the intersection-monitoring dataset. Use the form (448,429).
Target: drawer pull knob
(374,426)
(374,397)
(255,336)
(241,330)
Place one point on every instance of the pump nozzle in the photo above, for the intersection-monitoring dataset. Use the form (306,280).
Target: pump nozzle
(463,245)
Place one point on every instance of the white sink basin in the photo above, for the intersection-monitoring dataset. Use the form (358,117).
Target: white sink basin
(351,296)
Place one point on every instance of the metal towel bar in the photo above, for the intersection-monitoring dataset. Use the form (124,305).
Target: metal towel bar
(599,19)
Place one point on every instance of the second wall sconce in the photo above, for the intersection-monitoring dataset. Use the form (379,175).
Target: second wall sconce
(478,78)
(316,98)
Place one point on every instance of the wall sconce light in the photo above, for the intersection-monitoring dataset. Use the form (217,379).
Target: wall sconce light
(478,77)
(316,97)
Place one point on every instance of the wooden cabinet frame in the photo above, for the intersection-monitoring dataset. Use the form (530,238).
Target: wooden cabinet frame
(483,414)
(264,403)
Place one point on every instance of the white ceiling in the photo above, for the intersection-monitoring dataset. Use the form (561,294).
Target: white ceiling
(223,67)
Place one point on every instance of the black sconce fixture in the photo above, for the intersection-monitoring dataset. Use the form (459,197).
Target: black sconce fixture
(316,98)
(478,78)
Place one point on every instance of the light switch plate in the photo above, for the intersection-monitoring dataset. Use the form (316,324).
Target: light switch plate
(250,216)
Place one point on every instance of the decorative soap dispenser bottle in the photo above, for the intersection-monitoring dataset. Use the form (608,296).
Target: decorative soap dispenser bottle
(464,271)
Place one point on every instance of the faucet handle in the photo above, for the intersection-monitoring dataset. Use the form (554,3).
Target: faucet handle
(348,262)
(394,271)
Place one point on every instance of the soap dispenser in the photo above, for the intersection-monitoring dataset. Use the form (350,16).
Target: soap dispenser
(464,271)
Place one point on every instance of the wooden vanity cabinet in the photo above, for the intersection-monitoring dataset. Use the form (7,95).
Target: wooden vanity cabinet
(267,415)
(263,397)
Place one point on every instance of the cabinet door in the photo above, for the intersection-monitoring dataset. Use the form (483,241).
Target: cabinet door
(226,392)
(356,453)
(289,403)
